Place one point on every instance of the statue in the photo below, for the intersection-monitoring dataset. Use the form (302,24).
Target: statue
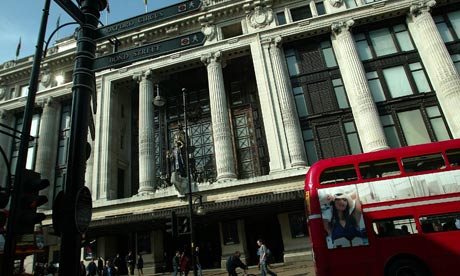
(177,162)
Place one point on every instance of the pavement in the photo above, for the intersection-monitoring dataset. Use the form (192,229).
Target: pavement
(281,269)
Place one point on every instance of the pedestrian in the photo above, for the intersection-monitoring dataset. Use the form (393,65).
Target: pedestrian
(109,269)
(263,263)
(117,262)
(176,264)
(185,263)
(140,265)
(130,263)
(197,261)
(233,262)
(91,268)
(100,266)
(82,269)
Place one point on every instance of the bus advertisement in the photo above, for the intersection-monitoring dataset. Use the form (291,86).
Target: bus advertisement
(392,213)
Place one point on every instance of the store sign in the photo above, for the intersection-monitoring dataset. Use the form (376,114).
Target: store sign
(127,57)
(143,20)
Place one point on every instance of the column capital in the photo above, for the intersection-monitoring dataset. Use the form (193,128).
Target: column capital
(140,76)
(211,57)
(338,27)
(417,9)
(48,102)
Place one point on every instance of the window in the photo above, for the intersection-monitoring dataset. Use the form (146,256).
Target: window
(230,232)
(397,82)
(350,4)
(375,86)
(340,93)
(456,60)
(419,77)
(320,10)
(298,225)
(328,53)
(393,227)
(232,30)
(448,26)
(423,163)
(281,17)
(380,168)
(310,147)
(454,19)
(412,126)
(300,103)
(453,156)
(440,223)
(391,133)
(292,63)
(352,137)
(384,41)
(32,149)
(24,91)
(437,123)
(300,13)
(338,174)
(63,144)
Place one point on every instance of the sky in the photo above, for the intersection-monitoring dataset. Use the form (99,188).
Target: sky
(20,19)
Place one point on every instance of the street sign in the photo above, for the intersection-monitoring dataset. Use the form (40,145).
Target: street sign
(127,57)
(145,19)
(72,10)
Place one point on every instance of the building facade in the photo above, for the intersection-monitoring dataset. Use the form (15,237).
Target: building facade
(276,86)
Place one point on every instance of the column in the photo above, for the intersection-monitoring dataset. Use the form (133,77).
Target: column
(289,116)
(364,110)
(437,62)
(223,148)
(47,144)
(5,142)
(147,168)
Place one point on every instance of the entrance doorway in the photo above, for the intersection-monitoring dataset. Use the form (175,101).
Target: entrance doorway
(267,228)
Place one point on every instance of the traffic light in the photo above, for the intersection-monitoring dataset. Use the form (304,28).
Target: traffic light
(184,226)
(29,200)
(172,225)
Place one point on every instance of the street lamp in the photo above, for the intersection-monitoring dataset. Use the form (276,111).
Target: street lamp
(189,183)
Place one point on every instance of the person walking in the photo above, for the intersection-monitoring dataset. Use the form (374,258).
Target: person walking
(233,262)
(140,265)
(109,269)
(100,266)
(91,268)
(197,261)
(176,264)
(263,264)
(130,263)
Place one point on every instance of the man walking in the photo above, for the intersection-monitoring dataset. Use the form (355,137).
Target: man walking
(233,262)
(263,265)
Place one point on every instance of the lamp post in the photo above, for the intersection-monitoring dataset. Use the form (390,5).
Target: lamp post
(189,183)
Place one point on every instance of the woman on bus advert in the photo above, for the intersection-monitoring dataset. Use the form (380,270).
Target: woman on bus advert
(343,220)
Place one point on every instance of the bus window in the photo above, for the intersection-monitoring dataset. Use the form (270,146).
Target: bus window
(440,222)
(423,163)
(338,175)
(453,156)
(379,168)
(391,227)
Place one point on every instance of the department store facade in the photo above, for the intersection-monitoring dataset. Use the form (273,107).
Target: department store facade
(276,86)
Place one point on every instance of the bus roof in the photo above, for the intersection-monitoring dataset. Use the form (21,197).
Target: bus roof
(317,168)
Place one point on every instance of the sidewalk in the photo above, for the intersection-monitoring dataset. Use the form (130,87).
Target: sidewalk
(280,269)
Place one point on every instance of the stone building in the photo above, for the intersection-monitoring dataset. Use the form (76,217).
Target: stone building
(271,87)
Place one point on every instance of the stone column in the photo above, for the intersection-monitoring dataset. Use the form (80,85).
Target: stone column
(223,147)
(289,116)
(437,62)
(47,144)
(5,142)
(147,168)
(364,110)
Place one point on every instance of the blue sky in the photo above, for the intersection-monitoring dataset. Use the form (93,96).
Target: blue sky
(22,18)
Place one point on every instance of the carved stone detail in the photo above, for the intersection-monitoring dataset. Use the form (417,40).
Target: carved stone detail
(418,8)
(338,27)
(336,3)
(260,17)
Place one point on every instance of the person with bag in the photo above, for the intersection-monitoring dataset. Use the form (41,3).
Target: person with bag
(233,262)
(263,260)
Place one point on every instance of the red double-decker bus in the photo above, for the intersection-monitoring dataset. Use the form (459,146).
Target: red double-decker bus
(394,212)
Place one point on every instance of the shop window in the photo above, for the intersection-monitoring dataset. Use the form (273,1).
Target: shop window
(298,225)
(230,232)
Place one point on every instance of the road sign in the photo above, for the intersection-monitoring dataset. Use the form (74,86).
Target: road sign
(127,57)
(72,10)
(145,19)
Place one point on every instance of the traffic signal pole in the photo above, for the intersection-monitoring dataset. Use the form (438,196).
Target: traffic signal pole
(10,239)
(82,90)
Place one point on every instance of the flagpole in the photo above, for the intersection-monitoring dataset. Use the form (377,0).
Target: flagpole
(146,6)
(106,18)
